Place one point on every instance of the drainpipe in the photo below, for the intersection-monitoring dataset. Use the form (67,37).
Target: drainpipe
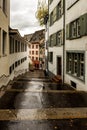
(46,38)
(63,42)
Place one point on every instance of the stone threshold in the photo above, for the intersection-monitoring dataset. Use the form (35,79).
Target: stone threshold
(43,114)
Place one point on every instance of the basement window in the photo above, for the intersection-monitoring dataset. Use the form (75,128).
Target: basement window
(73,84)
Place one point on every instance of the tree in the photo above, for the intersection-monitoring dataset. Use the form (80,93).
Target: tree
(42,13)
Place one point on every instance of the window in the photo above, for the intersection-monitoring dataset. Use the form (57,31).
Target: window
(53,40)
(50,56)
(36,52)
(76,64)
(32,46)
(32,58)
(36,58)
(78,28)
(21,47)
(59,11)
(37,46)
(83,25)
(73,29)
(75,71)
(4,43)
(4,7)
(69,57)
(55,14)
(25,47)
(11,46)
(11,69)
(51,18)
(82,66)
(19,62)
(16,47)
(16,64)
(59,38)
(32,52)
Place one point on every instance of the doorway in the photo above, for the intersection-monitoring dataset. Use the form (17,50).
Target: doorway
(59,66)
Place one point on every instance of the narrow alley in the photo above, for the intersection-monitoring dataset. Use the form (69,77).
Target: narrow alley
(34,102)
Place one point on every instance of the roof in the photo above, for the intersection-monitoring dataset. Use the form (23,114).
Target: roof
(15,33)
(38,35)
(28,37)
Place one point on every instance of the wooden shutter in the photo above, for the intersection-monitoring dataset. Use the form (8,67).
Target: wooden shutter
(54,39)
(49,56)
(49,42)
(62,7)
(83,25)
(62,37)
(68,31)
(50,20)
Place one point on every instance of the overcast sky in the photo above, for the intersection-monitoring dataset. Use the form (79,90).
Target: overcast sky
(22,16)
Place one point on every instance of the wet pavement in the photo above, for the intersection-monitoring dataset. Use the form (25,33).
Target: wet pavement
(33,102)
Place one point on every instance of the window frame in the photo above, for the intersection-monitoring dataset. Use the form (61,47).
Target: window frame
(73,60)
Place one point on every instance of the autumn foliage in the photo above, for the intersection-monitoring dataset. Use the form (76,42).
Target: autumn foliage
(42,14)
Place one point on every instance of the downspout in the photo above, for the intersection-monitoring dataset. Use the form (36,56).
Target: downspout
(63,42)
(47,38)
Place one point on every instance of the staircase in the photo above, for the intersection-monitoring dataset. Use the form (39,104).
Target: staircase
(57,79)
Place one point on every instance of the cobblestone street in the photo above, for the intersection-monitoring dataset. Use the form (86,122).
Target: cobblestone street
(33,102)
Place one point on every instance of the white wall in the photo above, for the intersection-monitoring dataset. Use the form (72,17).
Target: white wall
(57,51)
(80,44)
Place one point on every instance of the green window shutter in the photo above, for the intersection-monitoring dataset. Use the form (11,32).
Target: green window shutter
(50,20)
(67,62)
(72,64)
(83,25)
(54,39)
(49,42)
(55,14)
(62,37)
(49,56)
(61,6)
(68,31)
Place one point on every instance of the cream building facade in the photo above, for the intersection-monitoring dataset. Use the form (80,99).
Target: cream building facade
(11,64)
(4,39)
(18,54)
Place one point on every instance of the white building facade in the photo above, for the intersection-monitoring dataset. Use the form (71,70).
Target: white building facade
(76,44)
(69,53)
(55,49)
